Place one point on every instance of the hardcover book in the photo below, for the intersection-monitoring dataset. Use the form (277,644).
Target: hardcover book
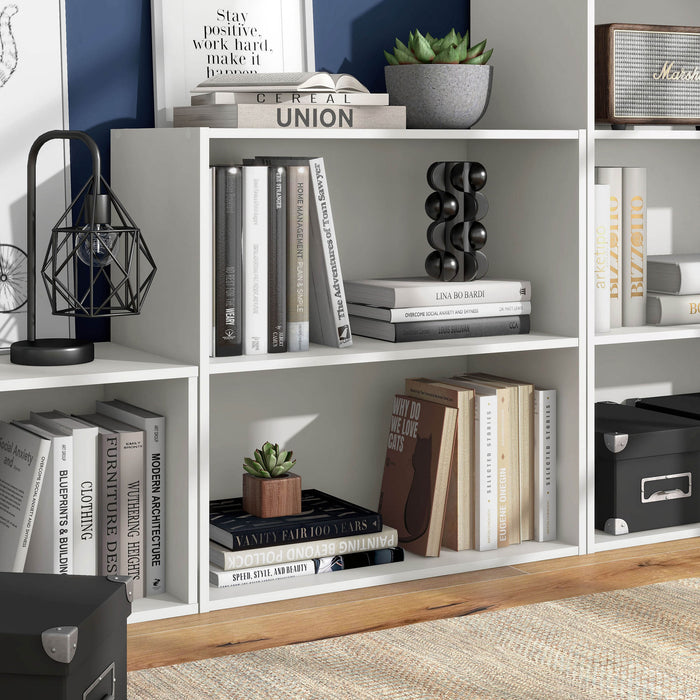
(229,560)
(322,516)
(153,426)
(612,176)
(634,246)
(486,505)
(439,330)
(545,405)
(458,532)
(601,259)
(672,309)
(228,262)
(674,274)
(23,457)
(277,259)
(440,313)
(424,291)
(298,257)
(269,97)
(417,470)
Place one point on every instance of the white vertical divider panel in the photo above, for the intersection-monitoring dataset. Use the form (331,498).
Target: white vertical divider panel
(161,177)
(539,60)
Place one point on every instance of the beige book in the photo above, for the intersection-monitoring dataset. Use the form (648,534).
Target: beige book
(458,531)
(298,193)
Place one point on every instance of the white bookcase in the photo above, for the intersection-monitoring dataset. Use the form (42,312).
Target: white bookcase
(539,143)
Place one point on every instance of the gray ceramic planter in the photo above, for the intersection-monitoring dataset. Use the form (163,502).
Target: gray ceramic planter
(440,96)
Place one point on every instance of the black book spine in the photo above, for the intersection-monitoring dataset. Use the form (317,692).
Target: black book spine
(277,257)
(228,263)
(466,328)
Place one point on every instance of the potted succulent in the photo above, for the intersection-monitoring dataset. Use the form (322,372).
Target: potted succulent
(444,83)
(269,490)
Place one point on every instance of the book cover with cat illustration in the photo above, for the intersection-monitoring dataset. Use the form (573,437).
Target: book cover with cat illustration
(417,471)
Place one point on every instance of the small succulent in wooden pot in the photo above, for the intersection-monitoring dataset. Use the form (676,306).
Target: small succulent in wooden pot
(269,489)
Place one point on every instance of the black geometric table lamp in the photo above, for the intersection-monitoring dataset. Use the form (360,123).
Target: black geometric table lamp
(114,258)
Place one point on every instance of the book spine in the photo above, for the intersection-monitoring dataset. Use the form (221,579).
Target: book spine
(440,313)
(264,556)
(110,503)
(275,534)
(258,574)
(255,259)
(277,259)
(64,485)
(601,259)
(545,402)
(486,510)
(85,525)
(154,431)
(321,116)
(298,258)
(671,309)
(314,98)
(471,328)
(30,513)
(228,261)
(613,178)
(131,466)
(634,244)
(526,443)
(329,322)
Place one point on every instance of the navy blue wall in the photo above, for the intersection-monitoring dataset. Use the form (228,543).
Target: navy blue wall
(110,76)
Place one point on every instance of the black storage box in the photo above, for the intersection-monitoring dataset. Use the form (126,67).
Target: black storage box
(647,469)
(63,637)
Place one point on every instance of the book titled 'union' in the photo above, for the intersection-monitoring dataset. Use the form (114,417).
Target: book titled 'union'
(322,516)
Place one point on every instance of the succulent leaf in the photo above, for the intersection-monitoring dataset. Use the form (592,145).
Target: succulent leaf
(479,60)
(404,57)
(390,59)
(451,38)
(448,55)
(474,51)
(269,461)
(462,49)
(421,48)
(402,46)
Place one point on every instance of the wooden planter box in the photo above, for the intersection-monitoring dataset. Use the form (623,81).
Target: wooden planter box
(272,498)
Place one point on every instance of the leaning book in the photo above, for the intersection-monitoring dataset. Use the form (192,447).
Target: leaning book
(322,516)
(23,458)
(229,560)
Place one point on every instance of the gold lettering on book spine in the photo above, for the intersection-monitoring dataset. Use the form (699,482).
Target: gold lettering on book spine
(636,261)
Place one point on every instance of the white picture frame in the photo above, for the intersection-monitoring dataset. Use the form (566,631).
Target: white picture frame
(33,100)
(194,38)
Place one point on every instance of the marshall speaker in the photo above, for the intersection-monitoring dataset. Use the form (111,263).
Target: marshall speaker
(647,74)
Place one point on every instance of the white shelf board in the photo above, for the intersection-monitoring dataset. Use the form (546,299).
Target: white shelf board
(159,608)
(604,542)
(399,134)
(113,363)
(647,334)
(365,350)
(414,567)
(689,134)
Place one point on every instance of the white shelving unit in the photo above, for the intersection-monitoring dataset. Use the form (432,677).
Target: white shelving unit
(539,143)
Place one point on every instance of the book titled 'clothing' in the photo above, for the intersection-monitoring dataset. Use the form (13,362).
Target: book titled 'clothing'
(322,516)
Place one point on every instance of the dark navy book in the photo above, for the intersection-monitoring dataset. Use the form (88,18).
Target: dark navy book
(322,517)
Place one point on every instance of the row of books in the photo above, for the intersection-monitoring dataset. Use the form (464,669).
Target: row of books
(277,276)
(84,494)
(420,308)
(288,100)
(620,248)
(470,464)
(330,534)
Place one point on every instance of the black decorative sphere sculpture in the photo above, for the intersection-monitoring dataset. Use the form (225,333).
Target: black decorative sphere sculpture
(456,234)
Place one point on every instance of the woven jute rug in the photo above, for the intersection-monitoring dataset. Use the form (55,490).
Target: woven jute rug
(635,644)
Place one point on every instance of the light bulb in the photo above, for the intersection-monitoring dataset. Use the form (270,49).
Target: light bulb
(97,246)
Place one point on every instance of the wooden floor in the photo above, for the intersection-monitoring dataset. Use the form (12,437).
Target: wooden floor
(272,624)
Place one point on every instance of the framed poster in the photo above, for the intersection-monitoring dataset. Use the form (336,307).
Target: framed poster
(197,39)
(33,100)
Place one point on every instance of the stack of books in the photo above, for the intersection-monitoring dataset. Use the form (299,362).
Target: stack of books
(330,534)
(278,282)
(89,494)
(674,289)
(318,100)
(421,308)
(470,464)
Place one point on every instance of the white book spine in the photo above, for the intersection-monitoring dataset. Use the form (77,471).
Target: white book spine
(601,259)
(258,574)
(634,245)
(85,535)
(110,503)
(440,313)
(545,403)
(613,178)
(485,473)
(154,449)
(254,259)
(329,322)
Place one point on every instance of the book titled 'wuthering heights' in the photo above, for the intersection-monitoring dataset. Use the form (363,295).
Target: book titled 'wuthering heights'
(322,516)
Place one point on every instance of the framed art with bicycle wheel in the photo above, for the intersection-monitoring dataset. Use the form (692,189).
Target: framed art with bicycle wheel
(32,101)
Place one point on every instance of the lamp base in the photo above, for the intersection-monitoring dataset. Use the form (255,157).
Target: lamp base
(47,352)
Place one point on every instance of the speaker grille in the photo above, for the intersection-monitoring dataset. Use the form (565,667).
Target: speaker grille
(638,55)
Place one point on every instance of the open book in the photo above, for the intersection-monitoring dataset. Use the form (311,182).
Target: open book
(283,82)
